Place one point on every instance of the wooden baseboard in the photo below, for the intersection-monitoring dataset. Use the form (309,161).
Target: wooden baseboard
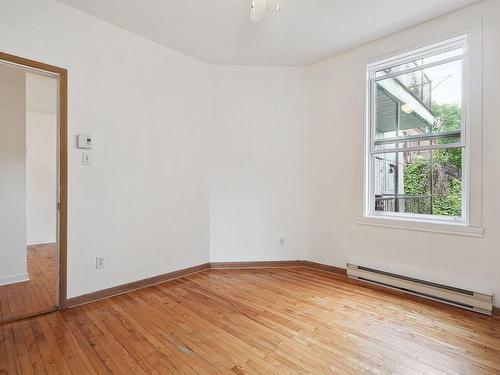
(125,288)
(325,267)
(261,264)
(278,264)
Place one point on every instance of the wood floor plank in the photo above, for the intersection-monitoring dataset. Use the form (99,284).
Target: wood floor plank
(52,358)
(21,349)
(39,364)
(36,295)
(5,347)
(10,363)
(254,321)
(285,319)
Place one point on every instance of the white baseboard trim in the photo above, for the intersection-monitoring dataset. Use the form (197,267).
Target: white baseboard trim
(14,279)
(40,242)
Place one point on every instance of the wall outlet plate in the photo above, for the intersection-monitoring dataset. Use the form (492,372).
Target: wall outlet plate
(99,263)
(86,158)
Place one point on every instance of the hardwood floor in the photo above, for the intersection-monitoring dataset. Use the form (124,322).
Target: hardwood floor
(258,321)
(36,295)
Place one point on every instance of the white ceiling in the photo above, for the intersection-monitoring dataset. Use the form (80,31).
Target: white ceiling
(219,31)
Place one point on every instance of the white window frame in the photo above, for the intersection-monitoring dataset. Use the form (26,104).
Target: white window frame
(460,41)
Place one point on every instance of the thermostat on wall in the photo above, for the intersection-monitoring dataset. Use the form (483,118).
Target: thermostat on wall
(84,141)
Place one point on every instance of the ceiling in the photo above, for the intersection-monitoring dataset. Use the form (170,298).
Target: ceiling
(219,31)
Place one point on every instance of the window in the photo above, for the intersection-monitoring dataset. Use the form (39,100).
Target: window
(416,149)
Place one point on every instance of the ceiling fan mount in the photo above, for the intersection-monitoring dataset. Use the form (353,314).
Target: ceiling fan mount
(258,10)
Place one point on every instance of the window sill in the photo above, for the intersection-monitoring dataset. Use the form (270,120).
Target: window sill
(422,226)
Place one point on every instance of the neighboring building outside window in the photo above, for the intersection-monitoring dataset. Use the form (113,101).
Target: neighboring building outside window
(416,134)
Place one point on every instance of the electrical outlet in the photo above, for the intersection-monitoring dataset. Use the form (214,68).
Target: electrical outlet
(282,242)
(99,263)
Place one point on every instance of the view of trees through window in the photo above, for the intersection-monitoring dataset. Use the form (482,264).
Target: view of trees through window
(417,149)
(438,173)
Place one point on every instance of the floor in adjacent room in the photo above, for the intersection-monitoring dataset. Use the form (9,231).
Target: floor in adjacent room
(36,295)
(258,321)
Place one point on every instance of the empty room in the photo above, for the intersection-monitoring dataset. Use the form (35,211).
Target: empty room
(249,187)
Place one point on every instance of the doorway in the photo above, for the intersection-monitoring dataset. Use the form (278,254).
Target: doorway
(33,187)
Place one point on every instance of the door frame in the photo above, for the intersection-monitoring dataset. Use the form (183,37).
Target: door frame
(62,204)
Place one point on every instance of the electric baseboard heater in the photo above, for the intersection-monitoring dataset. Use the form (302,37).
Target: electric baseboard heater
(466,299)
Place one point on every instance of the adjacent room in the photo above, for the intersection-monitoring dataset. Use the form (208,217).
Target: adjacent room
(249,187)
(28,165)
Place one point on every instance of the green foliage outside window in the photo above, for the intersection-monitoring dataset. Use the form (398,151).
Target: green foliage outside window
(446,167)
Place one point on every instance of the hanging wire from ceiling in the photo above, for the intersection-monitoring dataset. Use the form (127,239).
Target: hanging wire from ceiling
(258,15)
(252,15)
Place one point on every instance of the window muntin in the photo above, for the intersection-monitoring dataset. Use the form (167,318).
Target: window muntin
(416,142)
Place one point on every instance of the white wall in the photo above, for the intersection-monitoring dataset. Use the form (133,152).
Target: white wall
(144,202)
(191,164)
(258,172)
(13,267)
(336,165)
(41,159)
(41,178)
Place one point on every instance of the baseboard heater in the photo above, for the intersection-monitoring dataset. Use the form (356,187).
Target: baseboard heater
(466,299)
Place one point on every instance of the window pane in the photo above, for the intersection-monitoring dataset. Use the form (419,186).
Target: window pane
(421,102)
(420,62)
(386,114)
(419,182)
(446,93)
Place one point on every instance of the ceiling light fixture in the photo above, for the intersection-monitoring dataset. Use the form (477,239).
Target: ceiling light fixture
(406,108)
